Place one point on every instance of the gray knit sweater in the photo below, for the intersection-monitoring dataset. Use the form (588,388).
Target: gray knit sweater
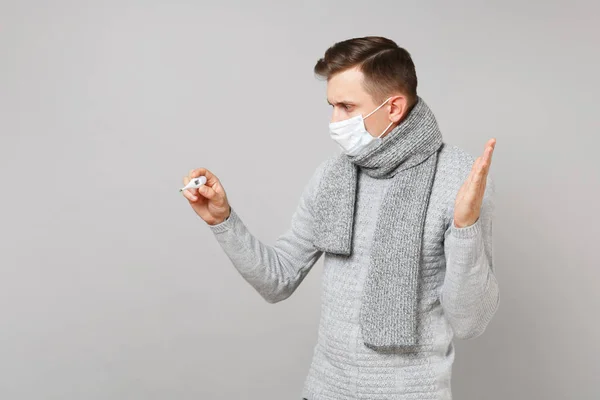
(458,291)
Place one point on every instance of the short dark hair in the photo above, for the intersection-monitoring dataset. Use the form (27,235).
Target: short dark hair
(387,68)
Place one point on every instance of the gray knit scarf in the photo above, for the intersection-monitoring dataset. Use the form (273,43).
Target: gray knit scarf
(408,155)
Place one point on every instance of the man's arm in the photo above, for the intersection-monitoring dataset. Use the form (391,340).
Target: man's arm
(470,295)
(275,271)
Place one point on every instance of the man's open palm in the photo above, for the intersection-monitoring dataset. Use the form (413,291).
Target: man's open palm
(467,206)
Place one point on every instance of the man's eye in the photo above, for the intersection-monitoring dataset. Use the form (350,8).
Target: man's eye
(347,107)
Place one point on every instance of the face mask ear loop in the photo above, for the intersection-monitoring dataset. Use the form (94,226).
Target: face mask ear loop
(381,105)
(388,127)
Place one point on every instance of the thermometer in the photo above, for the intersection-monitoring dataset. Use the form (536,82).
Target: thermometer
(194,183)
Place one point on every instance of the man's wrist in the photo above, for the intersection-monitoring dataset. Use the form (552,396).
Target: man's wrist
(223,220)
(226,224)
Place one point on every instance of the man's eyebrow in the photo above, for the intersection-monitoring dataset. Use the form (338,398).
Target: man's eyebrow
(347,102)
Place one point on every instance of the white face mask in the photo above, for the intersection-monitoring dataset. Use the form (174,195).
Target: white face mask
(352,135)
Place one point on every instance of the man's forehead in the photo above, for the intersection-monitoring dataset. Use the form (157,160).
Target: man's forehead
(345,87)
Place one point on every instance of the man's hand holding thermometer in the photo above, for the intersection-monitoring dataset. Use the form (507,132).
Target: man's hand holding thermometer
(206,196)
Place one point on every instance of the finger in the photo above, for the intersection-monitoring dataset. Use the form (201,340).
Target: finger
(192,174)
(211,179)
(478,180)
(482,188)
(189,196)
(489,149)
(487,152)
(208,192)
(486,167)
(488,160)
(473,172)
(192,191)
(212,182)
(485,158)
(470,184)
(465,187)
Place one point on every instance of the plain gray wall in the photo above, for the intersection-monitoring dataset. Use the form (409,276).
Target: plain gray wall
(112,288)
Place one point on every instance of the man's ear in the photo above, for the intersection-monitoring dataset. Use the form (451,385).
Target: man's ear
(399,108)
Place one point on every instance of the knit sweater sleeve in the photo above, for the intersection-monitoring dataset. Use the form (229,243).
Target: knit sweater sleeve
(470,295)
(276,270)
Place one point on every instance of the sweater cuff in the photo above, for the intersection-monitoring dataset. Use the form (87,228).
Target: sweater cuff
(226,224)
(467,247)
(466,232)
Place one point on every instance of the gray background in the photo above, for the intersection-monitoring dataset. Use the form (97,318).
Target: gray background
(112,288)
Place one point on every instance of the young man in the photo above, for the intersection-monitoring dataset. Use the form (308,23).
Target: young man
(404,221)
